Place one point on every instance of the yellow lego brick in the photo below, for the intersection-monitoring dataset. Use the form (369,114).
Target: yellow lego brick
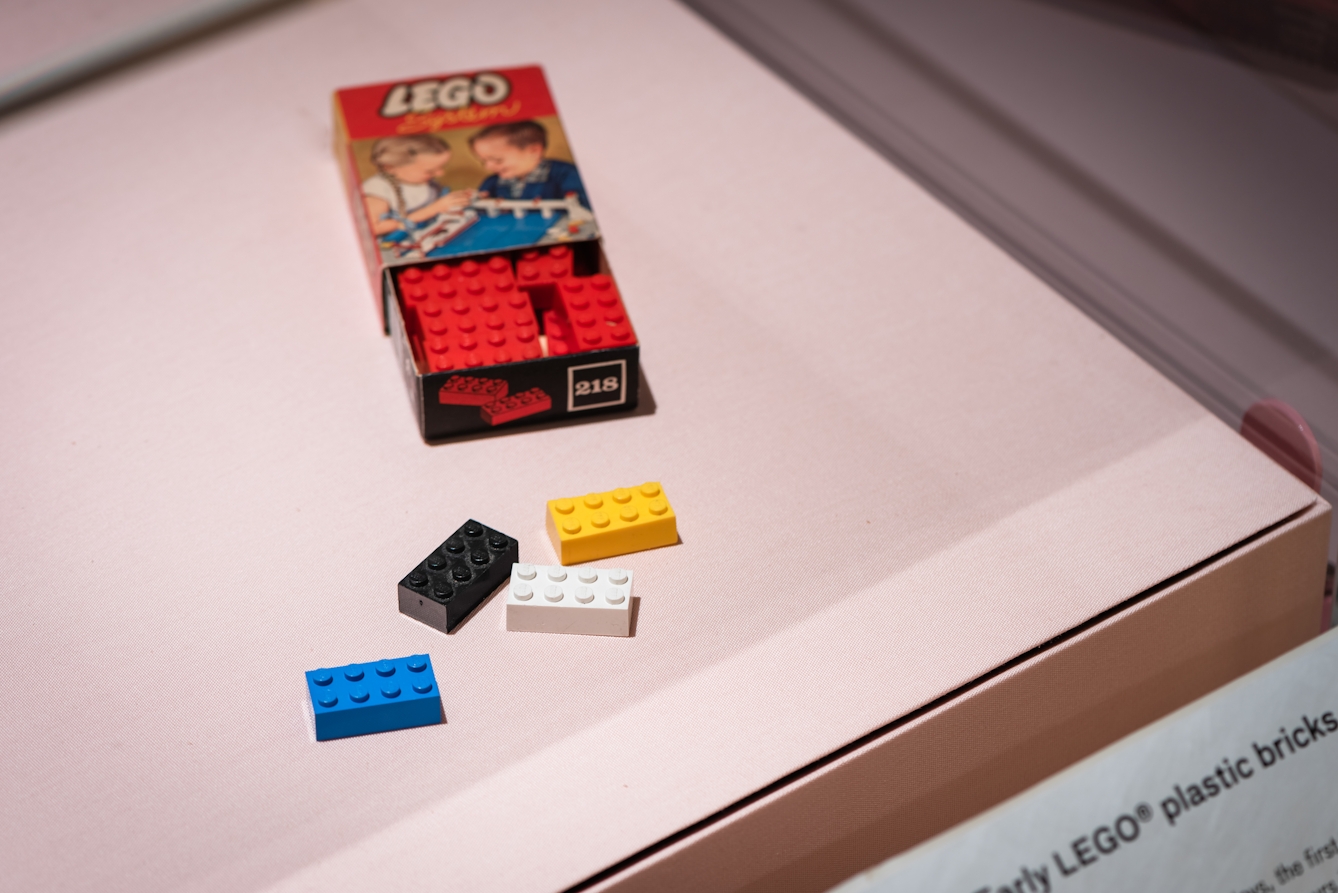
(600,525)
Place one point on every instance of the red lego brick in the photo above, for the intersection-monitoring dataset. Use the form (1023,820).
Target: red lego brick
(594,313)
(517,406)
(472,314)
(544,269)
(469,315)
(561,340)
(466,390)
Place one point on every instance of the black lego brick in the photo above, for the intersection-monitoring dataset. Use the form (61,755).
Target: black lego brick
(458,575)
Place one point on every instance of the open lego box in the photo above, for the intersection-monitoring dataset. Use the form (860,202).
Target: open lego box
(484,251)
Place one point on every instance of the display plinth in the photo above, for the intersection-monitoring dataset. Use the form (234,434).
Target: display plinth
(897,462)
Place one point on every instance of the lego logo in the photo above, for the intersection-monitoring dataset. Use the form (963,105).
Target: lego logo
(431,95)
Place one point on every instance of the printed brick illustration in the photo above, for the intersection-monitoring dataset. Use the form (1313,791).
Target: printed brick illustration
(458,576)
(583,600)
(360,699)
(599,525)
(516,406)
(466,390)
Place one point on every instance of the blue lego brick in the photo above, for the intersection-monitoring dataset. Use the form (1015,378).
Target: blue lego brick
(360,699)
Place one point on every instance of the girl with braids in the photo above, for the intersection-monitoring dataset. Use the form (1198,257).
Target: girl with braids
(405,191)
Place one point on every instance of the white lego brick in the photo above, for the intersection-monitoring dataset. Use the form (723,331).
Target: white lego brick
(588,601)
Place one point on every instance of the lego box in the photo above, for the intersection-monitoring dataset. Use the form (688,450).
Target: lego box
(484,252)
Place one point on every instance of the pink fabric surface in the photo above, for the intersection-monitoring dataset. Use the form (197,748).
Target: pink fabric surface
(897,458)
(36,31)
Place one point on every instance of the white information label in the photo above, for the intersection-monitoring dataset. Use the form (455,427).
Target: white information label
(1236,793)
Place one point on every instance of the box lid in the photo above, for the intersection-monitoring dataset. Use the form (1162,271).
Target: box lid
(490,138)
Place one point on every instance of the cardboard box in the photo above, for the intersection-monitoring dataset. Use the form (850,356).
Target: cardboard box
(484,251)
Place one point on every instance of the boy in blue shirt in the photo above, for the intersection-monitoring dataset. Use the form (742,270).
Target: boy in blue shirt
(513,155)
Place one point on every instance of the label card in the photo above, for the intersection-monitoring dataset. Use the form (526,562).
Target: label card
(1235,793)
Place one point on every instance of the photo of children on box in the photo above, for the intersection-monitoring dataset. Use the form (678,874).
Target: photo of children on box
(444,184)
